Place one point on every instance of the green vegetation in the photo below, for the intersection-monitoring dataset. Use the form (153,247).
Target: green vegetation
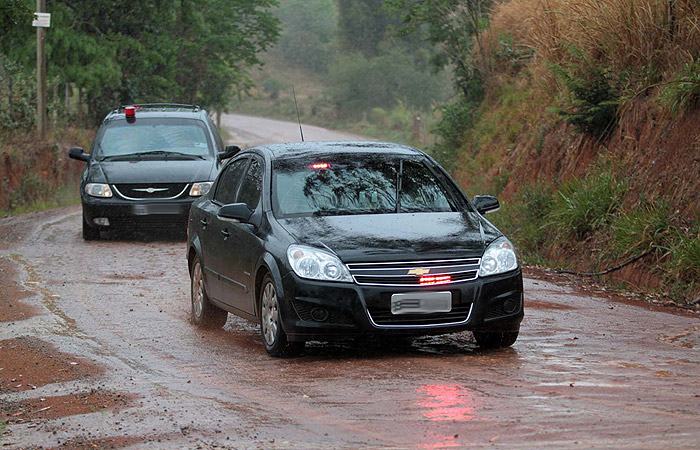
(185,50)
(585,204)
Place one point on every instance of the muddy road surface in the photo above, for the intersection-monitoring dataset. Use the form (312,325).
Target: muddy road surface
(96,351)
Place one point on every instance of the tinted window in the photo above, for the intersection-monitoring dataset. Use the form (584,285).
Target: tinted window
(187,136)
(356,184)
(252,185)
(228,182)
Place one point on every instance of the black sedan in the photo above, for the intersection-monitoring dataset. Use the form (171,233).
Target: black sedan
(319,241)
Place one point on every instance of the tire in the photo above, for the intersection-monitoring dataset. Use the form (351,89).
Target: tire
(499,339)
(204,314)
(90,233)
(273,336)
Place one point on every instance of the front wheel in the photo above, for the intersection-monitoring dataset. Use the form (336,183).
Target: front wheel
(496,339)
(273,336)
(204,313)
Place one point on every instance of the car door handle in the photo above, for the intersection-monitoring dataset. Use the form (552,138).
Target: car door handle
(204,223)
(225,233)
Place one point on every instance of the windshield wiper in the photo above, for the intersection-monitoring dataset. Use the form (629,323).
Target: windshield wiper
(153,153)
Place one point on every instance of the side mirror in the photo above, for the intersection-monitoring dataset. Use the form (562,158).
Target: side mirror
(79,154)
(485,203)
(229,152)
(236,211)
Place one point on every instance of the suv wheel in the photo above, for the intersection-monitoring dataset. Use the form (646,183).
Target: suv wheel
(273,336)
(204,313)
(498,339)
(90,233)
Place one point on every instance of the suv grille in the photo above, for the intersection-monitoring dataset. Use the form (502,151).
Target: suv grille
(409,273)
(145,191)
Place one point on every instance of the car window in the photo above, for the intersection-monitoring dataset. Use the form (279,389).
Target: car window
(252,185)
(187,136)
(421,191)
(229,180)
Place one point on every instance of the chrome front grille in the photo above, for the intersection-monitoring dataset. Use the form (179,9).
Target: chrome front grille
(409,273)
(146,191)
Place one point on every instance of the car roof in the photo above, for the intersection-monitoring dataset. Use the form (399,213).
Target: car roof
(300,149)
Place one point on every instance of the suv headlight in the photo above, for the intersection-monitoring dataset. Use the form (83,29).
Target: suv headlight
(499,257)
(199,189)
(98,190)
(316,264)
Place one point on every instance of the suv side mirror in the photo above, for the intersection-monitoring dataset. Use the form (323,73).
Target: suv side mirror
(229,152)
(485,203)
(79,154)
(235,211)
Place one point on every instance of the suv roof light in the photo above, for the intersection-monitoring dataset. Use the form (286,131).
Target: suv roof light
(130,112)
(161,106)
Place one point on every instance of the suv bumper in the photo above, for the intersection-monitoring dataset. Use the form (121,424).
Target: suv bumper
(125,214)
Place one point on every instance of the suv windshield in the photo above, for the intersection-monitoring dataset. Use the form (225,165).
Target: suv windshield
(155,137)
(358,184)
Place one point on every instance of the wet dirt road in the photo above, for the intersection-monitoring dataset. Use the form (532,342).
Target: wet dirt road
(111,330)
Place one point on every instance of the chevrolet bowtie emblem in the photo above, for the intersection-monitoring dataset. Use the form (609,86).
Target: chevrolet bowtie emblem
(151,190)
(418,271)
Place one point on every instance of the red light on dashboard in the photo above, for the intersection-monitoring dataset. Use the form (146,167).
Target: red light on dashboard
(320,166)
(426,280)
(130,112)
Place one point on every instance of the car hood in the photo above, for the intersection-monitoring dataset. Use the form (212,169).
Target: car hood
(394,237)
(153,171)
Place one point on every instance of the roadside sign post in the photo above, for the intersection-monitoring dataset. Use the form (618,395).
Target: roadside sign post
(41,21)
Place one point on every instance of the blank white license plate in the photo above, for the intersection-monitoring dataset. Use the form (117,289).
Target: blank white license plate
(421,302)
(144,210)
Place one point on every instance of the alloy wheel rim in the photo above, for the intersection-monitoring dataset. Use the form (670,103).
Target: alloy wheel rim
(270,314)
(197,292)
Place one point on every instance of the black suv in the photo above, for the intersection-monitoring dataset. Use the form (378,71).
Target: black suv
(317,241)
(147,164)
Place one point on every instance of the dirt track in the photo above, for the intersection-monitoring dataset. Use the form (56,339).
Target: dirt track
(112,336)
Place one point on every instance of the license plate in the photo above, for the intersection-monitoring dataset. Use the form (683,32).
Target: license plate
(145,210)
(421,302)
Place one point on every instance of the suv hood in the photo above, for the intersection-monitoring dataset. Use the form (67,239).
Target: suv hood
(395,237)
(153,171)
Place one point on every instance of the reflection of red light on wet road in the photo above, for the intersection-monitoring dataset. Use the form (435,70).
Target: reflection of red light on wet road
(447,402)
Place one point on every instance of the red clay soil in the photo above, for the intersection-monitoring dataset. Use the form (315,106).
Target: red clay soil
(11,309)
(84,443)
(64,405)
(26,363)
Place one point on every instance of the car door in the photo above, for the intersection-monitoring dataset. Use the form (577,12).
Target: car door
(213,259)
(243,245)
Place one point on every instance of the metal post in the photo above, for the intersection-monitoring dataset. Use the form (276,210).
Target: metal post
(41,75)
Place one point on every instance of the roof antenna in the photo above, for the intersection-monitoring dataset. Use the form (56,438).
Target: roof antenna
(297,109)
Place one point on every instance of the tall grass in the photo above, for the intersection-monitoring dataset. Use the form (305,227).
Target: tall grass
(648,38)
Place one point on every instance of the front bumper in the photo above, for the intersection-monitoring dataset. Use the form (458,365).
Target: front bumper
(321,310)
(129,214)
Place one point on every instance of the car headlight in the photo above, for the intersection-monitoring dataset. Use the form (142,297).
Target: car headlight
(499,257)
(315,264)
(199,189)
(98,190)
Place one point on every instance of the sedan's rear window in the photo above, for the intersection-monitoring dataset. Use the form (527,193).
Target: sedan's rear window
(357,184)
(184,136)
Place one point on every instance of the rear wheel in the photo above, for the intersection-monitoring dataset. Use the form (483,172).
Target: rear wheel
(498,339)
(90,233)
(204,313)
(274,338)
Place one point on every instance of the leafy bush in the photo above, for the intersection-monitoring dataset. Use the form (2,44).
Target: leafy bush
(273,86)
(456,120)
(595,95)
(17,96)
(685,260)
(583,205)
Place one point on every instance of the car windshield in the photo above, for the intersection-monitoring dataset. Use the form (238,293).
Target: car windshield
(154,137)
(357,184)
